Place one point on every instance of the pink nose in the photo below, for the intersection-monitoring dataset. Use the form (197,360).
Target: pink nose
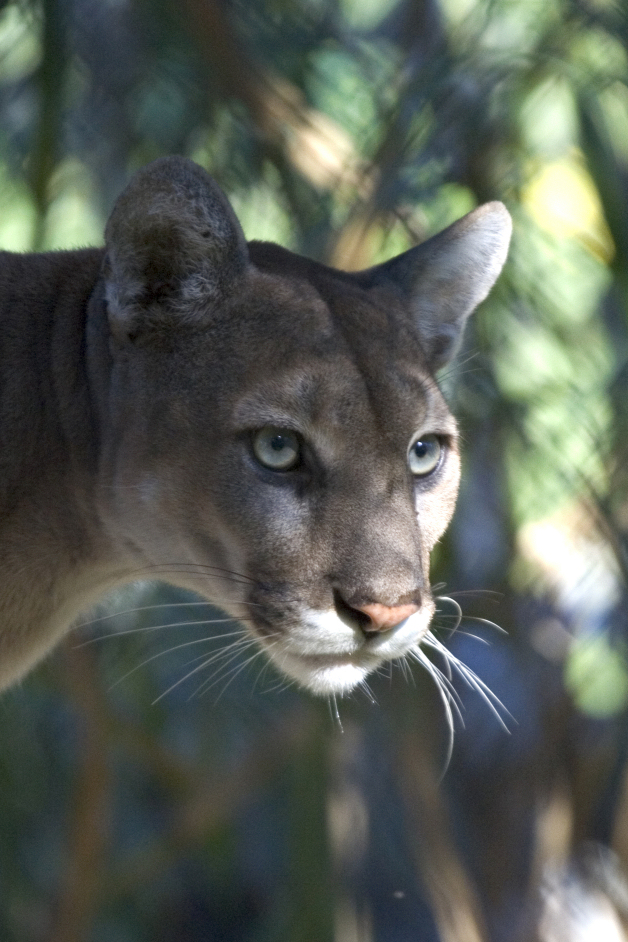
(385,617)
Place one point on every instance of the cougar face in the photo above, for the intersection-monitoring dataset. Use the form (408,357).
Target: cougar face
(263,429)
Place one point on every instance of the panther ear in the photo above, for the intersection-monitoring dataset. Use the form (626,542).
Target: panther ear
(445,278)
(173,244)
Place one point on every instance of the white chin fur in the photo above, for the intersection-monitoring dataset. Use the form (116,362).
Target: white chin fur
(323,680)
(327,655)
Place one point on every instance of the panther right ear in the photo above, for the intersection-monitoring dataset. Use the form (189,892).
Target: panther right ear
(444,279)
(174,247)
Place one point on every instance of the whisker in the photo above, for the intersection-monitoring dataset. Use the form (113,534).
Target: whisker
(177,647)
(235,671)
(365,688)
(445,679)
(228,652)
(332,703)
(487,622)
(441,617)
(283,682)
(446,700)
(479,638)
(239,644)
(258,679)
(214,603)
(489,594)
(192,569)
(455,368)
(171,624)
(471,679)
(446,598)
(404,667)
(140,608)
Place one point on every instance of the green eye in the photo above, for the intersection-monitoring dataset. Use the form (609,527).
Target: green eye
(277,448)
(424,455)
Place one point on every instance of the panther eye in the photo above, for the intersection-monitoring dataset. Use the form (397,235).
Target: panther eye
(424,455)
(277,448)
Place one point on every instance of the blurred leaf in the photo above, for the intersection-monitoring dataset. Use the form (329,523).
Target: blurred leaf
(597,676)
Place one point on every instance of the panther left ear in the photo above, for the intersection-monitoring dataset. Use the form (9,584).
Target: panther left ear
(174,248)
(446,277)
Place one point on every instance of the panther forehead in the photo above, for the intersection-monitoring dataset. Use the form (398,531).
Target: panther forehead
(374,324)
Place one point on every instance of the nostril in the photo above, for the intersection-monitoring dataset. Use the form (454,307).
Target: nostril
(354,614)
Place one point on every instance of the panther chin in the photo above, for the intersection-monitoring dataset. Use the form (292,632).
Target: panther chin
(324,676)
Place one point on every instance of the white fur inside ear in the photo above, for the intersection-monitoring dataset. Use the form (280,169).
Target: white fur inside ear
(477,250)
(457,269)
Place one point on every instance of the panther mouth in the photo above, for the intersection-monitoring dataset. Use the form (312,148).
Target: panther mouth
(328,654)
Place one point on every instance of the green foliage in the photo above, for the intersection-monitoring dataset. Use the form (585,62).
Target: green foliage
(596,674)
(346,130)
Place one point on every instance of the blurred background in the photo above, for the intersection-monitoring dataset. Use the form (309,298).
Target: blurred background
(140,806)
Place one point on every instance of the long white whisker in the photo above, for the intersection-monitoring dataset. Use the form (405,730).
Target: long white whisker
(486,621)
(206,662)
(479,638)
(445,681)
(170,624)
(332,703)
(141,608)
(237,669)
(192,569)
(406,670)
(364,686)
(446,598)
(471,679)
(186,644)
(446,700)
(229,656)
(238,645)
(489,594)
(282,683)
(265,666)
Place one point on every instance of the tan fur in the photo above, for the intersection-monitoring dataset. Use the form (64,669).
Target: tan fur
(133,381)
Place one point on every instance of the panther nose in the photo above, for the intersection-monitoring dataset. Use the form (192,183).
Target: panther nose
(384,617)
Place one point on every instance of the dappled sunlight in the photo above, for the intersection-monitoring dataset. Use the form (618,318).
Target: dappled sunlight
(562,198)
(159,780)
